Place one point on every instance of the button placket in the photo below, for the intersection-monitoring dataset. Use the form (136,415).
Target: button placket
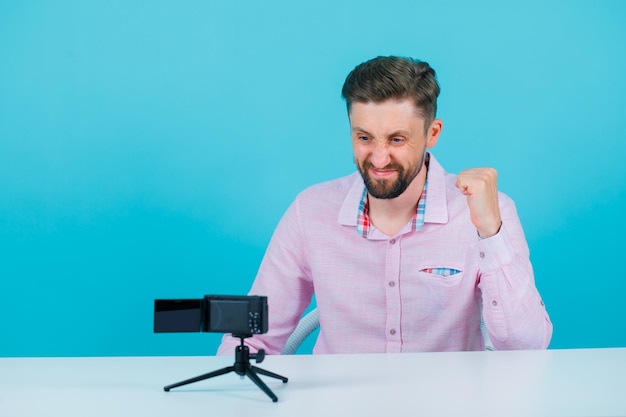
(392,291)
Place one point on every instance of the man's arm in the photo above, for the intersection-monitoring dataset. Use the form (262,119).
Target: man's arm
(284,278)
(513,311)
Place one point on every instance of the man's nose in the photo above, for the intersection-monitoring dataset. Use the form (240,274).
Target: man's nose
(380,155)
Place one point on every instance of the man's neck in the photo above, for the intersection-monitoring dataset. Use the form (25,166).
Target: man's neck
(391,215)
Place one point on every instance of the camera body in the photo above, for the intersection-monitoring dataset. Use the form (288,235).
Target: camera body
(240,315)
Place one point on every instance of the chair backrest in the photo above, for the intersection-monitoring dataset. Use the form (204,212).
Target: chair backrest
(486,338)
(307,325)
(310,322)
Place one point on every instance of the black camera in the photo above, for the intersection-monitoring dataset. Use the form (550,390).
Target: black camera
(240,315)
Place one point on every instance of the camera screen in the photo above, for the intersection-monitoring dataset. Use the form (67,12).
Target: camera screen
(229,316)
(177,316)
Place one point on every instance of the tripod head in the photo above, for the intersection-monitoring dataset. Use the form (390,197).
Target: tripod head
(243,355)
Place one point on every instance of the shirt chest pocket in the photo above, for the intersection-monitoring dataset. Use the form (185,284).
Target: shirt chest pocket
(442,271)
(439,271)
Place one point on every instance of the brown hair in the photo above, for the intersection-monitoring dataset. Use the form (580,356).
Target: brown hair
(393,77)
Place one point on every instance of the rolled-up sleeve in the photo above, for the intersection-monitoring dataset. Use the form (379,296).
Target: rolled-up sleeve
(513,311)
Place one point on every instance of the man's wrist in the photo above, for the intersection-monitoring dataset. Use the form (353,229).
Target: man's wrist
(487,233)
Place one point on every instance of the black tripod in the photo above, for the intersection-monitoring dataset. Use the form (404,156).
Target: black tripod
(242,367)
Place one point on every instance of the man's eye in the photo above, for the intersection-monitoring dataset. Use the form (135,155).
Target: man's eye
(397,140)
(364,138)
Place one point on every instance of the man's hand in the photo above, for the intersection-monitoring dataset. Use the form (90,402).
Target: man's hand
(481,188)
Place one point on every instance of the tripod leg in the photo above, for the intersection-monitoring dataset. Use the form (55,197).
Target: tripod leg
(201,377)
(255,378)
(268,373)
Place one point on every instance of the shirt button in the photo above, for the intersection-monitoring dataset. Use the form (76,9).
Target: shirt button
(482,255)
(542,302)
(392,241)
(392,332)
(494,303)
(392,283)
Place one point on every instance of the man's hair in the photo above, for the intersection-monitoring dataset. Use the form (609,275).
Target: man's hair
(393,77)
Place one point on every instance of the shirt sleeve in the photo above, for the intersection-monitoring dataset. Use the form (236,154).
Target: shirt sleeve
(513,311)
(283,277)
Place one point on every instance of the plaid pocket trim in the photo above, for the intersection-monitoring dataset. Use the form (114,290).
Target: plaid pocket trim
(444,272)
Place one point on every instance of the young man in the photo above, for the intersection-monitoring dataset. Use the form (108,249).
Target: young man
(401,256)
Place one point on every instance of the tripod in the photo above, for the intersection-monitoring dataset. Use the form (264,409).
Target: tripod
(241,367)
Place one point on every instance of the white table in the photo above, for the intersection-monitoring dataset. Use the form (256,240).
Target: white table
(577,382)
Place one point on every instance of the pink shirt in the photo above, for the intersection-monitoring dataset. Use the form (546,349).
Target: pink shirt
(382,293)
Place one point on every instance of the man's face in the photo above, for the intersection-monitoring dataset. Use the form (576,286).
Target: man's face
(389,143)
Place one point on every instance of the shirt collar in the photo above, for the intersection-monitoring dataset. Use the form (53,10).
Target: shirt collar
(355,203)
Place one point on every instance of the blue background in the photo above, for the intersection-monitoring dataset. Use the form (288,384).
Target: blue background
(148,149)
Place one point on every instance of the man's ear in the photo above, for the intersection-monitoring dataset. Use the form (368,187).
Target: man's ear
(432,135)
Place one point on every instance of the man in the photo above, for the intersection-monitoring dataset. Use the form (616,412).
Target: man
(401,256)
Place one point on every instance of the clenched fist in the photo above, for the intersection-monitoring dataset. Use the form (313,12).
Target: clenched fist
(481,188)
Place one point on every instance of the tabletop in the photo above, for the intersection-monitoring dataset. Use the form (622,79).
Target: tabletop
(568,382)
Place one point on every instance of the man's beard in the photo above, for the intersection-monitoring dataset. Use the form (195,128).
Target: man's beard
(388,189)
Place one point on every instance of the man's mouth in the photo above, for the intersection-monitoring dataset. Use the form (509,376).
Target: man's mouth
(382,173)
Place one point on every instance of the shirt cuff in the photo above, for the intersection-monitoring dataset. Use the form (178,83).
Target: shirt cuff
(495,251)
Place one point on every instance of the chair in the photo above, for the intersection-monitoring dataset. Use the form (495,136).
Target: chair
(310,322)
(486,338)
(307,325)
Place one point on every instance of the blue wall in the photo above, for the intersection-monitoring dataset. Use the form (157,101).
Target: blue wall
(148,149)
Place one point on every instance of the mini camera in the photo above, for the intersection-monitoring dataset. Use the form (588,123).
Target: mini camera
(240,315)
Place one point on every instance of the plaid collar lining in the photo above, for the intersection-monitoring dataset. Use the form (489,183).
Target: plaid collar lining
(364,225)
